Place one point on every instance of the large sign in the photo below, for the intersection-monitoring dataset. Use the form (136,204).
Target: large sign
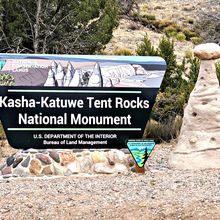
(66,101)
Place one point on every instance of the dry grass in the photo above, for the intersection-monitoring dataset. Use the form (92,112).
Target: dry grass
(163,131)
(6,150)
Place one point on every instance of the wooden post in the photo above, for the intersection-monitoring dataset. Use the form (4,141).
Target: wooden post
(138,169)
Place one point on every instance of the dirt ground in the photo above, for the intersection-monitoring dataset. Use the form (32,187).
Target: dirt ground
(160,193)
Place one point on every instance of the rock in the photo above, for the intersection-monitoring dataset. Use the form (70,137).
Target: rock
(25,163)
(22,172)
(193,140)
(103,168)
(6,170)
(110,158)
(209,51)
(96,79)
(120,169)
(73,167)
(69,74)
(43,158)
(10,160)
(50,82)
(117,156)
(48,170)
(67,158)
(59,170)
(199,140)
(31,150)
(60,75)
(99,157)
(55,156)
(86,164)
(86,153)
(17,161)
(75,82)
(131,161)
(35,167)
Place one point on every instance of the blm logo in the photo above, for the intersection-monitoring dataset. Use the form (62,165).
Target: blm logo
(140,150)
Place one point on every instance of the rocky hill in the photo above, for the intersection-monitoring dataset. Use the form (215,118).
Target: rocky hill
(164,16)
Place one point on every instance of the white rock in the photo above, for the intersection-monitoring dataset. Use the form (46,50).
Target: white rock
(60,75)
(50,79)
(96,78)
(69,74)
(74,167)
(103,168)
(120,168)
(75,82)
(209,51)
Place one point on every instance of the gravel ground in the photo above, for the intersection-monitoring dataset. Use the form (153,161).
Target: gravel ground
(161,193)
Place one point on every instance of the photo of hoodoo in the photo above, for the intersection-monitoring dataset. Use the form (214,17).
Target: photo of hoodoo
(57,76)
(60,73)
(104,75)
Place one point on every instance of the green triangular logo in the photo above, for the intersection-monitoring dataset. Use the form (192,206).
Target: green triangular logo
(140,150)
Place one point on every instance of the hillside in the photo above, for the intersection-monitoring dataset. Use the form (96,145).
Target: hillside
(191,15)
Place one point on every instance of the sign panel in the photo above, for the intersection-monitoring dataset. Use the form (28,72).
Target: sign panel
(67,101)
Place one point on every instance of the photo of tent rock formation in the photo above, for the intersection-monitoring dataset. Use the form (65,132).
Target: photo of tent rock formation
(104,75)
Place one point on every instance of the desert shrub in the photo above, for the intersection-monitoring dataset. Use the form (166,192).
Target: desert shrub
(189,33)
(149,17)
(146,48)
(217,28)
(188,54)
(135,15)
(174,92)
(170,29)
(163,132)
(5,149)
(180,36)
(196,40)
(123,52)
(7,79)
(166,51)
(164,23)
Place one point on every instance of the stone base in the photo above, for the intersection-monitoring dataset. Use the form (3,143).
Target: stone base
(64,162)
(208,159)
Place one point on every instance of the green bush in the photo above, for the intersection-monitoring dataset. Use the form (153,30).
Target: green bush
(196,40)
(181,36)
(123,52)
(174,92)
(189,33)
(146,48)
(149,17)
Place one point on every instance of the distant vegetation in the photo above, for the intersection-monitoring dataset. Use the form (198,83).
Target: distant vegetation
(56,26)
(175,90)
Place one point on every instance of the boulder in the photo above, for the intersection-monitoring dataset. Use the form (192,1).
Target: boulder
(99,157)
(209,51)
(35,167)
(67,158)
(103,168)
